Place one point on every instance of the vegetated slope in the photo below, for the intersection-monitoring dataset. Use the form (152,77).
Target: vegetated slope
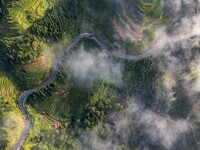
(27,28)
(80,109)
(58,21)
(77,108)
(11,121)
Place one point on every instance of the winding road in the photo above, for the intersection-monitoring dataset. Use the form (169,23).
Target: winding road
(23,97)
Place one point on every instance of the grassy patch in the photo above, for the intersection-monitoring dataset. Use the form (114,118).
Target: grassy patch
(13,124)
(11,121)
(8,91)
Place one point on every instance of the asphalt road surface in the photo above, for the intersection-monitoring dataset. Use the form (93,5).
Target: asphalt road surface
(23,97)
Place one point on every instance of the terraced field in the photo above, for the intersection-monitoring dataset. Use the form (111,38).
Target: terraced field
(139,33)
(128,25)
(25,12)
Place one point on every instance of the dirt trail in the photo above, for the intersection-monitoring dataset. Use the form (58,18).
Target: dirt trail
(51,121)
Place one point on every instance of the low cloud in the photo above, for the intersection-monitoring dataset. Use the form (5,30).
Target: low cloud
(183,31)
(162,128)
(90,66)
(175,5)
(158,129)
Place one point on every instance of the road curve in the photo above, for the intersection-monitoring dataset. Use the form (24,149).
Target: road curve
(23,97)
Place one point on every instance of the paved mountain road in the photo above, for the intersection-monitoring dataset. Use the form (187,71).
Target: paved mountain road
(23,97)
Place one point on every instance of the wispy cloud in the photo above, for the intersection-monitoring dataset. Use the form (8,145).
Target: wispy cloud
(182,29)
(90,66)
(159,129)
